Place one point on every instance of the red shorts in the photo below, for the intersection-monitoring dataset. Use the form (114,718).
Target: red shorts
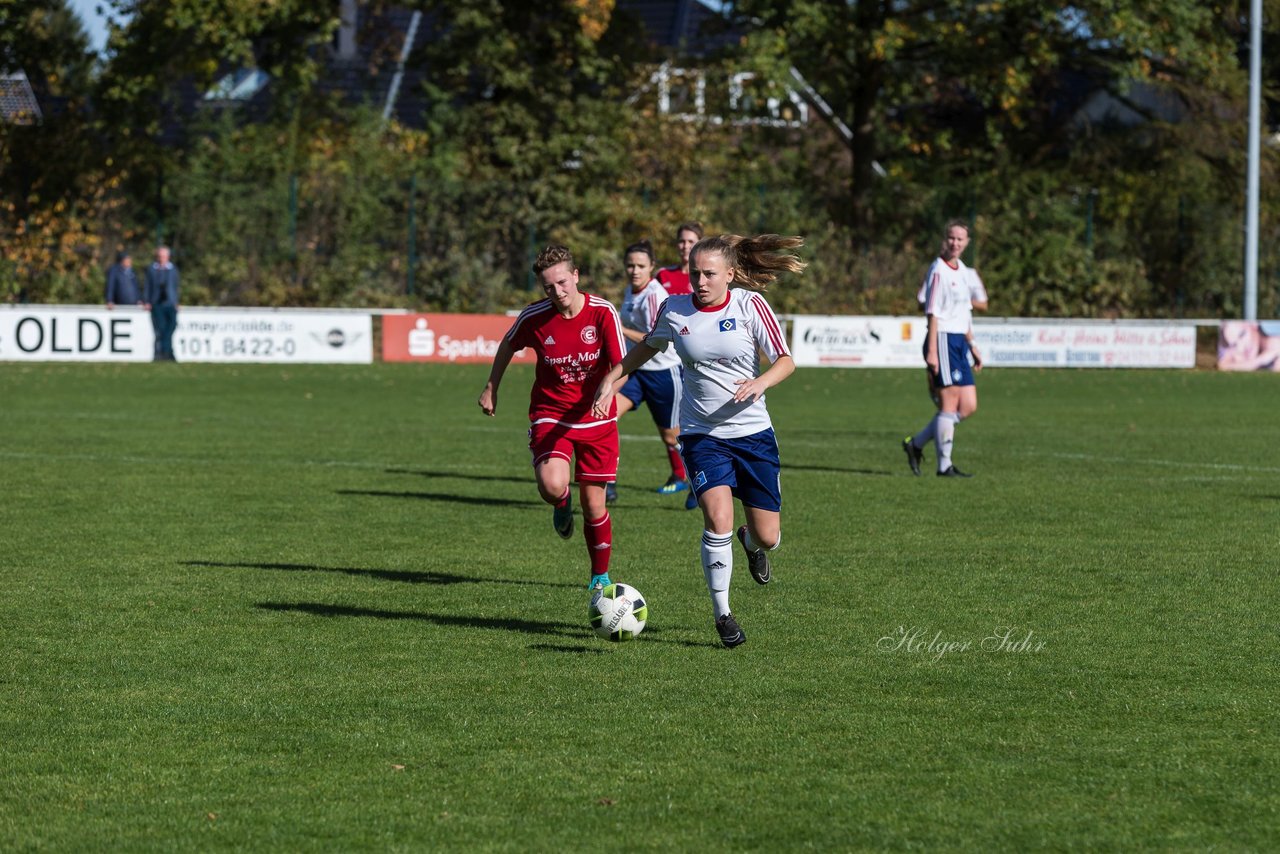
(594,449)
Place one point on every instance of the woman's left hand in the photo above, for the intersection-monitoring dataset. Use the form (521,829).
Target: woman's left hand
(749,390)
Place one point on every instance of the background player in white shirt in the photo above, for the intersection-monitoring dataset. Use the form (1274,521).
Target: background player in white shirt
(948,297)
(725,429)
(657,383)
(977,291)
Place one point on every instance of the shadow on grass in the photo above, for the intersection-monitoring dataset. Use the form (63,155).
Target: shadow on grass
(443,496)
(836,470)
(503,478)
(403,576)
(563,647)
(533,627)
(509,624)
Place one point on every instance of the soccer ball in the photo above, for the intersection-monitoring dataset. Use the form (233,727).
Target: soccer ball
(618,612)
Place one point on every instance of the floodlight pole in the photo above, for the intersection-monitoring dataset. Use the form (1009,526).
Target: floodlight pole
(1255,121)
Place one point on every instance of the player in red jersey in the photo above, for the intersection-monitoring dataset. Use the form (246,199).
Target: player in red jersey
(676,279)
(577,338)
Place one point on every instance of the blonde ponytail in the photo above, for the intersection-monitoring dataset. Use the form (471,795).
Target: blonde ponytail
(757,261)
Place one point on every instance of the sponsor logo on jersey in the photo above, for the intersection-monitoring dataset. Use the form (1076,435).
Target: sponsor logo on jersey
(684,330)
(549,341)
(589,335)
(728,324)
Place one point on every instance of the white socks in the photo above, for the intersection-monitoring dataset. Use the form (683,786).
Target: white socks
(750,545)
(717,568)
(947,422)
(925,436)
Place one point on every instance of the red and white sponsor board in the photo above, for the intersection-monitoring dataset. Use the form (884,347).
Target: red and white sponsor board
(897,342)
(1027,344)
(449,338)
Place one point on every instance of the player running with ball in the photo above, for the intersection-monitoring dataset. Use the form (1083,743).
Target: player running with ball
(577,337)
(725,429)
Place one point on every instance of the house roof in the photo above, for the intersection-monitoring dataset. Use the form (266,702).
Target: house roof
(18,103)
(684,27)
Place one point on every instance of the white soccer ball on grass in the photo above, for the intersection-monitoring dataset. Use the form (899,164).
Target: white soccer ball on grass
(618,612)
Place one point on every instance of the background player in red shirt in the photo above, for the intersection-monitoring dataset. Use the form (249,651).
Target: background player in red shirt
(577,338)
(676,279)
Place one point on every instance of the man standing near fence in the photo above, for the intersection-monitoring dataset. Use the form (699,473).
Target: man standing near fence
(122,282)
(162,300)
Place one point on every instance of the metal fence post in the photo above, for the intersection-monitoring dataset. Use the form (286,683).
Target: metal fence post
(413,233)
(293,217)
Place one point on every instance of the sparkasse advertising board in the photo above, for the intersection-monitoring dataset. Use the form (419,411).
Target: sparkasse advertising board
(449,338)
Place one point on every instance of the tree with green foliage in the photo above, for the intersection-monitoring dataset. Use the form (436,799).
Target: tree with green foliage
(958,83)
(54,180)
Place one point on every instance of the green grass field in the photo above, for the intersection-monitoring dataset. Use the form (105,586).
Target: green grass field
(322,608)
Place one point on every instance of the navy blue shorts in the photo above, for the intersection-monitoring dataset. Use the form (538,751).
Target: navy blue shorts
(659,389)
(748,465)
(953,360)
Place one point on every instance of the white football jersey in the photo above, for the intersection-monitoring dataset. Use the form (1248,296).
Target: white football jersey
(639,311)
(718,347)
(948,293)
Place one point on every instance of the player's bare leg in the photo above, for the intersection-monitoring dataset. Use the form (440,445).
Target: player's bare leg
(624,405)
(553,477)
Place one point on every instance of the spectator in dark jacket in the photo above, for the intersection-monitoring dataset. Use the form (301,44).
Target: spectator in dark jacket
(122,282)
(162,299)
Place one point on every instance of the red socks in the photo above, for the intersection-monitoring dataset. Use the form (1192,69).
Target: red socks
(677,462)
(599,536)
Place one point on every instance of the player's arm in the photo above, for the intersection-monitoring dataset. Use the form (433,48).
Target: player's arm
(635,336)
(769,340)
(751,389)
(501,359)
(973,348)
(618,374)
(977,291)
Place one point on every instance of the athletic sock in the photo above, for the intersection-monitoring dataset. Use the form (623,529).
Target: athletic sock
(750,545)
(677,462)
(599,537)
(564,499)
(947,422)
(925,436)
(717,568)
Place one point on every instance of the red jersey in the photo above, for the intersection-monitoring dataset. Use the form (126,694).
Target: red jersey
(675,281)
(573,354)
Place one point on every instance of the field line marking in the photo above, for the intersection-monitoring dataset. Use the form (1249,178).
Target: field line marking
(1170,463)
